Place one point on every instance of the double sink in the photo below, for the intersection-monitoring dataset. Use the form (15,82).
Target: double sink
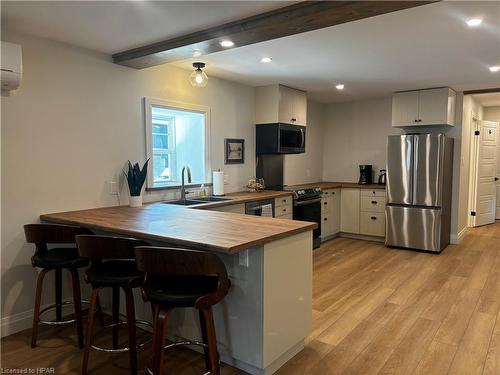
(191,202)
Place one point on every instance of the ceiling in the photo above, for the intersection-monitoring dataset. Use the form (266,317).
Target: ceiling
(488,100)
(422,47)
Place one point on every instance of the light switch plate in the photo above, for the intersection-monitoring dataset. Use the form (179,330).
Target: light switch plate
(243,258)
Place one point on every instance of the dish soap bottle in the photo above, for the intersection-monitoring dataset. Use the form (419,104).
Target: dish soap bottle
(203,192)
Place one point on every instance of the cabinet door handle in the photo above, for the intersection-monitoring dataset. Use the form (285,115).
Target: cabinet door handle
(373,218)
(416,120)
(325,219)
(284,210)
(284,200)
(293,119)
(325,203)
(374,202)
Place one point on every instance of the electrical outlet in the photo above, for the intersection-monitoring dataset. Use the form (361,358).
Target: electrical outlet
(113,187)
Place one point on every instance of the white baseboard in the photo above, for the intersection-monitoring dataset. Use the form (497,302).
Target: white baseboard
(18,322)
(15,323)
(456,238)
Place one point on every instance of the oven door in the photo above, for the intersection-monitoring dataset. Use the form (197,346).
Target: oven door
(309,210)
(292,138)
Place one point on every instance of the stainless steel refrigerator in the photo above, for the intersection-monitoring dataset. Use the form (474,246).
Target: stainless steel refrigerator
(419,185)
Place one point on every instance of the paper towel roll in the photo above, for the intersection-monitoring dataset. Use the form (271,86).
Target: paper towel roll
(218,183)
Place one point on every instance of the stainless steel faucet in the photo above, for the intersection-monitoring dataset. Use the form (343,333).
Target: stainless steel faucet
(183,189)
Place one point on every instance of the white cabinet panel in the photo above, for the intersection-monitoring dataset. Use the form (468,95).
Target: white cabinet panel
(349,210)
(335,210)
(372,204)
(278,103)
(405,108)
(428,107)
(372,223)
(436,107)
(283,210)
(283,201)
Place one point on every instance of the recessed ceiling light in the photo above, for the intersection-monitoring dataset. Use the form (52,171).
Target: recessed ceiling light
(340,86)
(266,59)
(227,43)
(474,22)
(494,69)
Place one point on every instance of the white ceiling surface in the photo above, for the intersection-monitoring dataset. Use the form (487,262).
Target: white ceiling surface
(488,100)
(421,47)
(115,26)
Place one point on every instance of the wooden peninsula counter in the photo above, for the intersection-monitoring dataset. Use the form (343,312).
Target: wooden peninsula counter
(266,316)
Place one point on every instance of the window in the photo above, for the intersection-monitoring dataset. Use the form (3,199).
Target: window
(177,134)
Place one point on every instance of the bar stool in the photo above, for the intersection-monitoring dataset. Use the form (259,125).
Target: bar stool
(56,259)
(182,278)
(112,265)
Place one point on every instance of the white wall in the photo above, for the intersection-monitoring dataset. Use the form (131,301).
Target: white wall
(491,113)
(71,126)
(308,167)
(356,133)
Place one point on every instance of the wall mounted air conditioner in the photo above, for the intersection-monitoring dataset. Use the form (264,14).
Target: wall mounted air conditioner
(12,66)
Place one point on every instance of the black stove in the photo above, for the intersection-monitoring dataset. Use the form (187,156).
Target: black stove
(307,207)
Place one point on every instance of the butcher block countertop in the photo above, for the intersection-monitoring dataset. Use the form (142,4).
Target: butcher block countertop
(202,229)
(334,185)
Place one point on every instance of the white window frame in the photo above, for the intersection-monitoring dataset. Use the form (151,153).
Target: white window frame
(149,103)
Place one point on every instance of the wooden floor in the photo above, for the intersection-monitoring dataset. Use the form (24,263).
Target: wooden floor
(376,311)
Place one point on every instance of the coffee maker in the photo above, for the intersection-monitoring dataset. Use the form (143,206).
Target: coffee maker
(365,175)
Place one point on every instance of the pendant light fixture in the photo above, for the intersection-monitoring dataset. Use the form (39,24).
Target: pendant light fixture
(198,77)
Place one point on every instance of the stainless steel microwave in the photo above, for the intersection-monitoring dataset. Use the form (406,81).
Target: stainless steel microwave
(280,138)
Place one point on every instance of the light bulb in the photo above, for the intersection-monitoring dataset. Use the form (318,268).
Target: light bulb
(340,86)
(474,22)
(199,78)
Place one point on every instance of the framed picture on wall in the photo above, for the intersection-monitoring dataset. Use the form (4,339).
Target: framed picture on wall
(234,151)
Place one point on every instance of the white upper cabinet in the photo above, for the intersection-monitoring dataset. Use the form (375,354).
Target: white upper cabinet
(278,103)
(424,107)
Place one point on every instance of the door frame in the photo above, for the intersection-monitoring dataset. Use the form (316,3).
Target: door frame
(473,161)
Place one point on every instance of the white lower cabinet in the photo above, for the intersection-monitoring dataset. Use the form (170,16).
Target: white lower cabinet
(283,208)
(330,213)
(349,210)
(363,211)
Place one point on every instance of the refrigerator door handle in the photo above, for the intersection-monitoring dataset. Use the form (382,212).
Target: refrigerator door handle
(414,172)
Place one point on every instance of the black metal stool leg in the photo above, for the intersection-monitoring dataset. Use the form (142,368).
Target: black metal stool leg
(36,310)
(78,305)
(132,338)
(58,281)
(88,335)
(115,315)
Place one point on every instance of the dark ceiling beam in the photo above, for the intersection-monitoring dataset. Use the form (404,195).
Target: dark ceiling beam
(294,19)
(482,91)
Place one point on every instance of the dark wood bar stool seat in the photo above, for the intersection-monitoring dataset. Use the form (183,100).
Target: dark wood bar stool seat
(56,259)
(177,278)
(112,265)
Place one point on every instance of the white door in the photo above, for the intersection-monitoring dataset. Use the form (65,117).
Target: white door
(486,190)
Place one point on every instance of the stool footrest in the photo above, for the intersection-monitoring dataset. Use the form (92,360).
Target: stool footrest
(123,349)
(57,322)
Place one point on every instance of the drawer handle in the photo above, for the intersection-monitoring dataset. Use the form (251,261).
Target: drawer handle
(374,202)
(325,219)
(284,200)
(284,210)
(373,218)
(333,193)
(325,203)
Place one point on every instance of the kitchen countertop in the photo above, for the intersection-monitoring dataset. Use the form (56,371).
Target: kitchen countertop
(203,229)
(334,185)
